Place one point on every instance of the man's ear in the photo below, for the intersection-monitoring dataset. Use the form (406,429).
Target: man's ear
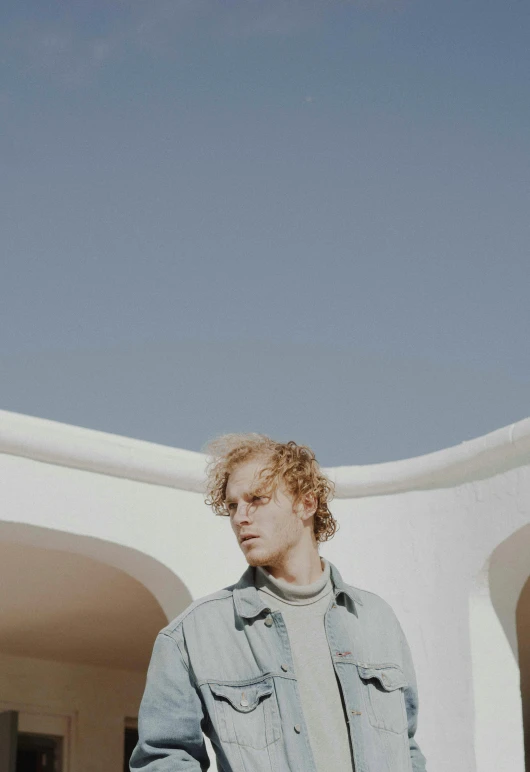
(307,506)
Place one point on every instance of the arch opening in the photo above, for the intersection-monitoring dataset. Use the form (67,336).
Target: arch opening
(496,649)
(76,634)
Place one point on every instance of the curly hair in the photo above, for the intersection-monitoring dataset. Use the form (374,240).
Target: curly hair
(294,464)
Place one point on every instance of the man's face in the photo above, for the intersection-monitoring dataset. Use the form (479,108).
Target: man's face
(270,519)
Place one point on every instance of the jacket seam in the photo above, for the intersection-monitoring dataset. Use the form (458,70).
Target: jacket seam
(247,681)
(197,604)
(174,640)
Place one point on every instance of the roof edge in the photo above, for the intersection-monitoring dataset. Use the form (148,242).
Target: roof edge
(96,451)
(476,459)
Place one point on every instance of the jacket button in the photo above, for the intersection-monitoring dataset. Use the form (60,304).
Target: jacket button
(268,621)
(297,728)
(285,668)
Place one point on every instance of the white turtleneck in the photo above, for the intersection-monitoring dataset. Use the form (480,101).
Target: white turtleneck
(303,608)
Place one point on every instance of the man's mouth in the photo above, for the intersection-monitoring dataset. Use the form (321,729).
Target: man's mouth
(245,539)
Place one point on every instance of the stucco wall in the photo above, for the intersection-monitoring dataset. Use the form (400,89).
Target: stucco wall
(422,551)
(156,534)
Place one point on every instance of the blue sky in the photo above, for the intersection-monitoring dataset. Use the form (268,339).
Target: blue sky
(304,218)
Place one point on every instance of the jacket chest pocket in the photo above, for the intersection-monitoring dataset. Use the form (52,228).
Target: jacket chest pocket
(383,696)
(247,714)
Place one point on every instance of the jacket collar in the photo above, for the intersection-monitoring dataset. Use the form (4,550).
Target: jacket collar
(249,604)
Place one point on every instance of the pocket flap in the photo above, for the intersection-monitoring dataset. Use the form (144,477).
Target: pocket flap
(389,676)
(243,698)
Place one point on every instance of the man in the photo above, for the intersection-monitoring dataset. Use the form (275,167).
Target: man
(290,669)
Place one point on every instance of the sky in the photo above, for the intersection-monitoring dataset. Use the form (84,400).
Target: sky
(309,219)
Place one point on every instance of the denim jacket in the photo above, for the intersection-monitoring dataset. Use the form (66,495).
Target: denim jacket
(224,669)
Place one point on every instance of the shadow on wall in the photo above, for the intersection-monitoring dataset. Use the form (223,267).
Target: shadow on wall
(523,638)
(500,649)
(167,588)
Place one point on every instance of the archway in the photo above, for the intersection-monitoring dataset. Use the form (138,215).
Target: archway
(494,598)
(165,586)
(76,634)
(523,640)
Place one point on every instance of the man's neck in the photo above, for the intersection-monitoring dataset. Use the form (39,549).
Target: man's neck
(304,569)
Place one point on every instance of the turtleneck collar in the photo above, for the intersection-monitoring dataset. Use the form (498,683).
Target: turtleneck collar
(295,593)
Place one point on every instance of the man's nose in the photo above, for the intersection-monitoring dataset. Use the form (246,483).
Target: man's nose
(242,512)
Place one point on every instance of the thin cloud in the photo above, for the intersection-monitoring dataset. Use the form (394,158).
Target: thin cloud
(70,50)
(59,50)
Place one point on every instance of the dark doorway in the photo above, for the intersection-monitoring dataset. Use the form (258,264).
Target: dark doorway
(130,740)
(8,740)
(38,753)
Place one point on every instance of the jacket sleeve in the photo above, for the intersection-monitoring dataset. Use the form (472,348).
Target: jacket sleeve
(411,703)
(171,715)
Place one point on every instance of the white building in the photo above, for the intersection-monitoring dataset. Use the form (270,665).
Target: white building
(103,539)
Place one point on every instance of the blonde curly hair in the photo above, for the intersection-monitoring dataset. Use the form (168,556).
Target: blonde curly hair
(294,464)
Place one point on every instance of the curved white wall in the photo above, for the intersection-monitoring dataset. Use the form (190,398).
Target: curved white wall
(427,550)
